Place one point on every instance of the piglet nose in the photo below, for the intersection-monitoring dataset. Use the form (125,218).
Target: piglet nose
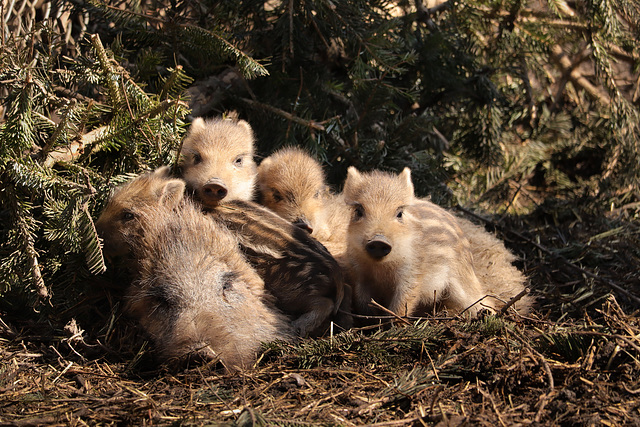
(214,190)
(378,247)
(304,224)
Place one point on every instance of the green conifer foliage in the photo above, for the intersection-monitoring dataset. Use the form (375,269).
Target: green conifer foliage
(495,95)
(71,129)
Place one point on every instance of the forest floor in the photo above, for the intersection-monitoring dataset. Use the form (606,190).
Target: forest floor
(574,361)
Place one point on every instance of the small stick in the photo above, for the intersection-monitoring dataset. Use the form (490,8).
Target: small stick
(386,310)
(308,123)
(477,302)
(513,300)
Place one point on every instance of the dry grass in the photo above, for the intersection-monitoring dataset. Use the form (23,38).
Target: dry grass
(575,361)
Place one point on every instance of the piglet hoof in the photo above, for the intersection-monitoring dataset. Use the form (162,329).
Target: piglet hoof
(301,330)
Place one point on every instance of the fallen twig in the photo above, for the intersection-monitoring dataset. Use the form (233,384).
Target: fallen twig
(514,300)
(386,310)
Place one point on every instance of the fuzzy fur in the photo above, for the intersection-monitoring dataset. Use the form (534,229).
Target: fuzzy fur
(219,150)
(305,279)
(292,184)
(303,276)
(435,257)
(193,292)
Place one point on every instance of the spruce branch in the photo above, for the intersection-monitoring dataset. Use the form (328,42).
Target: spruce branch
(381,62)
(423,13)
(161,108)
(176,80)
(565,64)
(34,265)
(60,128)
(561,8)
(26,237)
(566,76)
(99,138)
(111,78)
(90,241)
(311,124)
(249,68)
(75,148)
(69,153)
(186,35)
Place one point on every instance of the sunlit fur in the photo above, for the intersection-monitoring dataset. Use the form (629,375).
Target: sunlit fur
(197,295)
(297,270)
(121,218)
(493,266)
(292,184)
(305,279)
(193,291)
(219,149)
(430,259)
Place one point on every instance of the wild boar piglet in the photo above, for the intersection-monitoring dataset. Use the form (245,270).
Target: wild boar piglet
(193,291)
(306,281)
(121,219)
(292,184)
(406,258)
(197,295)
(216,160)
(302,275)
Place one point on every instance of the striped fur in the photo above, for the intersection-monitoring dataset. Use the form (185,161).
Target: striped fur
(301,274)
(193,291)
(409,254)
(292,184)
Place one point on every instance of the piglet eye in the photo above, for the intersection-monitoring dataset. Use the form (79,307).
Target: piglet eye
(358,211)
(197,158)
(128,215)
(277,197)
(227,281)
(238,161)
(399,214)
(227,285)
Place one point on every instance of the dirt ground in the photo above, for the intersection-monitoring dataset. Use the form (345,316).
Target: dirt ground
(574,361)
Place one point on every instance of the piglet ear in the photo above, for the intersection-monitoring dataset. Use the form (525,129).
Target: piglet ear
(266,163)
(353,174)
(405,176)
(162,172)
(354,178)
(172,193)
(197,124)
(247,128)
